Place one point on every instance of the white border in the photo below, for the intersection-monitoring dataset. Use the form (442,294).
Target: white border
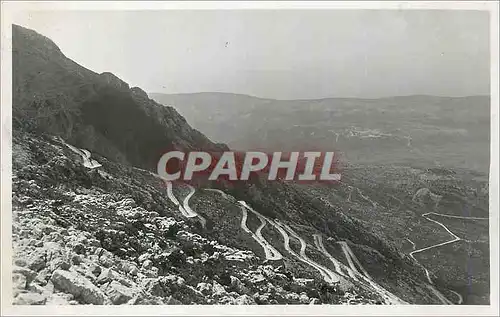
(9,8)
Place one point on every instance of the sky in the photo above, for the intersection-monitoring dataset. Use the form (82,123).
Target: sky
(281,54)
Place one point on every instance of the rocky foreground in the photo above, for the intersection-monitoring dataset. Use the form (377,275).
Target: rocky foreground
(80,237)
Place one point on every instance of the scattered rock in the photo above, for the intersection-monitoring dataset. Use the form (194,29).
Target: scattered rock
(106,261)
(19,281)
(76,259)
(217,289)
(30,299)
(143,257)
(37,260)
(147,264)
(172,301)
(29,274)
(119,293)
(20,262)
(108,275)
(133,271)
(204,288)
(304,299)
(238,286)
(244,300)
(65,265)
(79,248)
(43,276)
(95,269)
(59,299)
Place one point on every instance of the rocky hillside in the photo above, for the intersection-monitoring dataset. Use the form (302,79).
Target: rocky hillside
(111,236)
(100,112)
(94,225)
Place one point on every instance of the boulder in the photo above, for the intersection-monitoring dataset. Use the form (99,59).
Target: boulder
(78,286)
(304,299)
(147,264)
(29,274)
(218,290)
(30,299)
(119,293)
(155,287)
(20,262)
(153,272)
(43,276)
(172,301)
(244,300)
(37,260)
(79,248)
(19,281)
(237,285)
(204,288)
(106,261)
(66,265)
(108,275)
(95,269)
(58,299)
(143,257)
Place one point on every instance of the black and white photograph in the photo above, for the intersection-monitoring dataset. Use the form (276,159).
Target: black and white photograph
(282,158)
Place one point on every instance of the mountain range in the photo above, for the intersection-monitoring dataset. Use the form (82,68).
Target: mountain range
(408,130)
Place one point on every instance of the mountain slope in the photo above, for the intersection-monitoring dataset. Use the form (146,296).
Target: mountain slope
(83,152)
(99,111)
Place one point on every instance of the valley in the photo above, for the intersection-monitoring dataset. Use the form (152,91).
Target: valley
(94,224)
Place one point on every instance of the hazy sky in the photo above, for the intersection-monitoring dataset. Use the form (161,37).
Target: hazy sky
(281,54)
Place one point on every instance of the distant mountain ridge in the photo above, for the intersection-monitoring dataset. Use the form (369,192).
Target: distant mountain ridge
(153,94)
(415,130)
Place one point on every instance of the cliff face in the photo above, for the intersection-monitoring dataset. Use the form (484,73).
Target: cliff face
(97,111)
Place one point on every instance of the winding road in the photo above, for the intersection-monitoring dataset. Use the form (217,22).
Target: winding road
(457,217)
(353,269)
(328,275)
(414,246)
(455,239)
(87,161)
(85,154)
(318,242)
(286,241)
(190,213)
(217,191)
(269,251)
(374,204)
(460,298)
(184,209)
(174,200)
(286,231)
(439,295)
(352,259)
